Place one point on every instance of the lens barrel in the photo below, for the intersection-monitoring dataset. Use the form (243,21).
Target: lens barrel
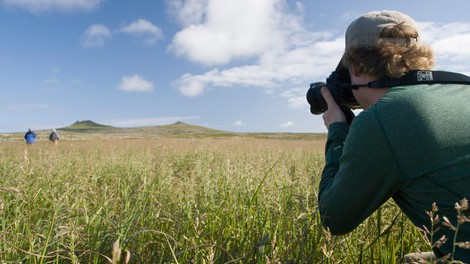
(317,103)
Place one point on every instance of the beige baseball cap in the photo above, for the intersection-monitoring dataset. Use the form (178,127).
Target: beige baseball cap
(365,31)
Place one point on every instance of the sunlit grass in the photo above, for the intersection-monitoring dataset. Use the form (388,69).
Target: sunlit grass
(234,200)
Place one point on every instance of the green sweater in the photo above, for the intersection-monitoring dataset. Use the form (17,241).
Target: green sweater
(413,146)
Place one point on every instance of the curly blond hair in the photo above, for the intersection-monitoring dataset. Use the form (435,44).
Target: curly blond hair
(396,52)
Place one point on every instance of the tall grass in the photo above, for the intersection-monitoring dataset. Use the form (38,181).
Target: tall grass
(235,200)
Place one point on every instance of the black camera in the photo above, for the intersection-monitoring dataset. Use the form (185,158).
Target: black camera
(339,85)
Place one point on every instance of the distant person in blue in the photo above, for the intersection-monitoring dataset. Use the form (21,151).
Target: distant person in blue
(54,137)
(30,137)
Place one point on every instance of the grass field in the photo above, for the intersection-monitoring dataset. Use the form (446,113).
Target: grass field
(180,200)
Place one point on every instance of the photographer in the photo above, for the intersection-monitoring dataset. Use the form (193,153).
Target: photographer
(411,143)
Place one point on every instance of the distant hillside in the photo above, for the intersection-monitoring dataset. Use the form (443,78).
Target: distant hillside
(181,127)
(177,129)
(85,126)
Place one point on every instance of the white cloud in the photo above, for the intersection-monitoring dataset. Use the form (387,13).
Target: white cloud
(152,121)
(190,85)
(450,43)
(238,123)
(96,36)
(187,12)
(287,124)
(231,29)
(145,29)
(135,83)
(296,98)
(40,6)
(284,52)
(299,66)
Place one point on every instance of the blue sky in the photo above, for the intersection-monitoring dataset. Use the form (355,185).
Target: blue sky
(234,65)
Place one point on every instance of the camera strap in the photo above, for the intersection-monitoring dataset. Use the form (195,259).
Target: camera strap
(420,77)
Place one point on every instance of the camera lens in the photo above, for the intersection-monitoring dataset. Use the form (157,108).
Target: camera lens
(315,98)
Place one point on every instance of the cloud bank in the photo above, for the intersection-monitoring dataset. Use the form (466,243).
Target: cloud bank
(266,44)
(268,38)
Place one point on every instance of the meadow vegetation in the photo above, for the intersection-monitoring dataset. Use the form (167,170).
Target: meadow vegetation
(180,200)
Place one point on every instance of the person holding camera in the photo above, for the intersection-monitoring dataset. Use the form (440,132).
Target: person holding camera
(411,142)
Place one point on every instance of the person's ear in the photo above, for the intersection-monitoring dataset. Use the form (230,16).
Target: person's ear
(353,72)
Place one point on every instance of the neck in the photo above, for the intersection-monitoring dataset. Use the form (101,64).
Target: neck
(370,96)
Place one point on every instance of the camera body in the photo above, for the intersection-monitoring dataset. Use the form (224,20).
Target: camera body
(339,85)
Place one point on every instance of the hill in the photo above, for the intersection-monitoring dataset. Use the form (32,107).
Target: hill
(86,126)
(178,129)
(183,129)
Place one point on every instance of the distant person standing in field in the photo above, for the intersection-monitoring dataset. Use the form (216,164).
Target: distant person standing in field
(30,137)
(411,143)
(54,136)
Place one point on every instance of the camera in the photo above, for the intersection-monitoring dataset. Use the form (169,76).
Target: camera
(339,85)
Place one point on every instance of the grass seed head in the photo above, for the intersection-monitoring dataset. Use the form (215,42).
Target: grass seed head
(462,206)
(448,223)
(441,241)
